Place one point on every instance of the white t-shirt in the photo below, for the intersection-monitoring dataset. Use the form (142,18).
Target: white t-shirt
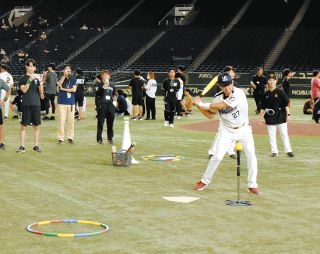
(237,114)
(180,91)
(151,88)
(129,106)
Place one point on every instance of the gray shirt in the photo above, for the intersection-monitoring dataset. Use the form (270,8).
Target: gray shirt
(4,86)
(50,83)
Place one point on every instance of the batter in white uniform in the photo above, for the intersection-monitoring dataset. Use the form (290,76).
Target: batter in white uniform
(6,77)
(232,105)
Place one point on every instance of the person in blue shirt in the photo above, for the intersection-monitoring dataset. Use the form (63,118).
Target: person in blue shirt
(67,86)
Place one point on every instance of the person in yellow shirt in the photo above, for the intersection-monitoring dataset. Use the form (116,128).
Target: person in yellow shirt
(187,103)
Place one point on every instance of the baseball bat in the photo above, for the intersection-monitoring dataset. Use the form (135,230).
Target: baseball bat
(238,147)
(210,85)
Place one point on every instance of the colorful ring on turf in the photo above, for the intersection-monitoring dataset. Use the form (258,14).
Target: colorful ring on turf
(169,158)
(31,230)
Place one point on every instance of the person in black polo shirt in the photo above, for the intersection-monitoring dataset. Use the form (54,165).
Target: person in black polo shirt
(136,84)
(276,113)
(106,95)
(32,89)
(285,86)
(81,83)
(258,83)
(170,87)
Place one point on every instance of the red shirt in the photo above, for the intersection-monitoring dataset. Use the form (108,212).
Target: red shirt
(315,87)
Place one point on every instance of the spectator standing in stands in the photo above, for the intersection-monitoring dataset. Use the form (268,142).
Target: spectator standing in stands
(32,89)
(170,87)
(67,86)
(258,83)
(122,105)
(151,89)
(81,83)
(276,113)
(106,109)
(5,87)
(315,86)
(285,86)
(50,84)
(6,77)
(136,84)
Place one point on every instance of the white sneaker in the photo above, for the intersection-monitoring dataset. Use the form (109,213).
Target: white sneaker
(179,117)
(166,123)
(171,125)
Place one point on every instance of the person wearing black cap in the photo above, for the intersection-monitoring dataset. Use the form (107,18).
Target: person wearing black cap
(276,113)
(258,84)
(79,95)
(50,87)
(170,87)
(106,97)
(232,106)
(287,75)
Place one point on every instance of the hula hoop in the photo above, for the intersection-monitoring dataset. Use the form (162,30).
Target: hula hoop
(31,230)
(169,158)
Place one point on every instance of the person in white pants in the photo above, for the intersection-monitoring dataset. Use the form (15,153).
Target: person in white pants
(276,113)
(232,105)
(6,77)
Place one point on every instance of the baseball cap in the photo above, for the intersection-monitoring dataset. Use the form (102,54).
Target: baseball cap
(229,68)
(224,79)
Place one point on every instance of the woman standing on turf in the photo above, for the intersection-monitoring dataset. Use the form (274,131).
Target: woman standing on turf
(276,113)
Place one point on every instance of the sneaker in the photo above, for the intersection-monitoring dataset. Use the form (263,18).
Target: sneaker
(52,118)
(274,155)
(147,119)
(5,117)
(60,142)
(100,142)
(290,154)
(110,142)
(70,141)
(200,186)
(153,119)
(232,156)
(166,123)
(171,125)
(2,146)
(36,149)
(134,118)
(21,149)
(15,116)
(210,155)
(45,118)
(255,191)
(179,117)
(140,118)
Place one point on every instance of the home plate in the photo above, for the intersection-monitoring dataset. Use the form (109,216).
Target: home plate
(181,199)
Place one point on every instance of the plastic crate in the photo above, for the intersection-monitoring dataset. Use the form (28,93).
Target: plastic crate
(121,159)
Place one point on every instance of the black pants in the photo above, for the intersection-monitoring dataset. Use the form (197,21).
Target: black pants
(169,110)
(50,99)
(151,107)
(179,108)
(257,99)
(106,111)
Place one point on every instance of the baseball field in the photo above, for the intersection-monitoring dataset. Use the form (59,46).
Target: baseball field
(79,182)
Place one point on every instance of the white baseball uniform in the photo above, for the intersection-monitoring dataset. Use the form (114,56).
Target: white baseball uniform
(6,77)
(234,126)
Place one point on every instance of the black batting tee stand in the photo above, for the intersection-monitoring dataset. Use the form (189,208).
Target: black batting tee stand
(238,202)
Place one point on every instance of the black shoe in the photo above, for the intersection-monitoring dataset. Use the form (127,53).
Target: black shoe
(21,149)
(290,154)
(52,118)
(232,156)
(36,149)
(45,118)
(60,142)
(110,142)
(153,119)
(147,119)
(274,155)
(15,116)
(70,141)
(210,155)
(2,146)
(100,142)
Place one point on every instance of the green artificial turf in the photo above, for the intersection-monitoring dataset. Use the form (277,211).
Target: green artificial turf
(79,182)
